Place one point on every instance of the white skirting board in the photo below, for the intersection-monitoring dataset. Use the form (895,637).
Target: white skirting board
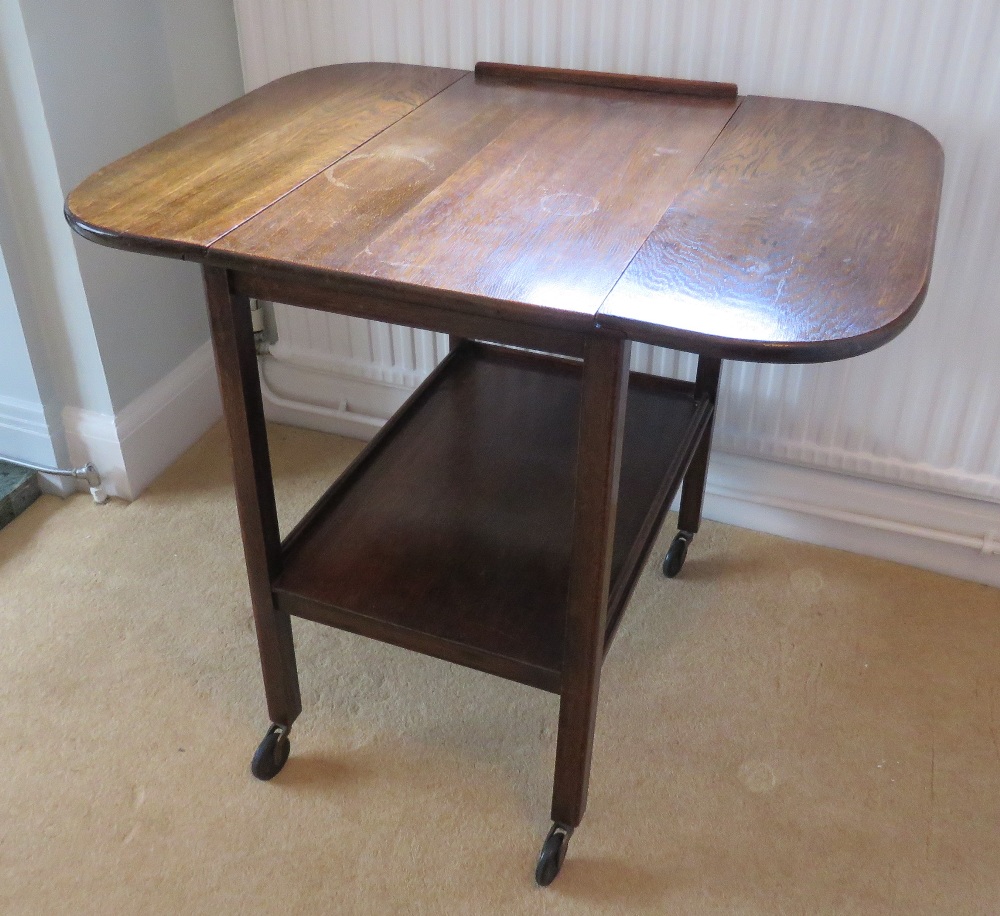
(130,449)
(947,534)
(26,437)
(24,432)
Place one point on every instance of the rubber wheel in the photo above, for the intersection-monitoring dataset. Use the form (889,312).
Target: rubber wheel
(673,562)
(553,854)
(271,755)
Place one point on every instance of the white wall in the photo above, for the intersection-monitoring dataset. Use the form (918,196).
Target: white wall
(115,75)
(117,342)
(47,314)
(203,52)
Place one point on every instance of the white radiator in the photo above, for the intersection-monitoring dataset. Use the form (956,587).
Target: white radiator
(923,411)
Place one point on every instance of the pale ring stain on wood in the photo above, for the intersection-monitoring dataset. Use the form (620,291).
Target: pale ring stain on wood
(566,203)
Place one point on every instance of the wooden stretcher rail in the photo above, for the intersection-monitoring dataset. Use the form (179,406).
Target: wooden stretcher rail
(419,309)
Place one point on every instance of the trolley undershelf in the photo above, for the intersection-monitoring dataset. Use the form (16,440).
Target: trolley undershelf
(450,534)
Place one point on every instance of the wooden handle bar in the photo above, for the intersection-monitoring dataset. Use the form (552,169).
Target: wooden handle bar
(523,73)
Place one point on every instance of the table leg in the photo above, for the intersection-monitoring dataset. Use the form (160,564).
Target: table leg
(693,491)
(236,361)
(602,421)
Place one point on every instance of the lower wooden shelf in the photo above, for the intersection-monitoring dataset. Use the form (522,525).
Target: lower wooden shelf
(450,535)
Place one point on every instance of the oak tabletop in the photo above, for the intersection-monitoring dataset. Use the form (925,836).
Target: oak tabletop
(672,212)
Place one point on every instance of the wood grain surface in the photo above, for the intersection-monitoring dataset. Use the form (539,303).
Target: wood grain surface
(239,385)
(763,229)
(536,195)
(805,234)
(603,396)
(182,192)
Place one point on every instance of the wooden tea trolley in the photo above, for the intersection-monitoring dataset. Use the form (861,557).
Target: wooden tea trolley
(544,219)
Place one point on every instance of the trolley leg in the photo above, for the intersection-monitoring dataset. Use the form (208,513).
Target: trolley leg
(236,361)
(602,415)
(693,490)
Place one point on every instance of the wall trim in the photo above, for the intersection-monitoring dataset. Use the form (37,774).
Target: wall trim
(26,434)
(864,464)
(92,437)
(24,430)
(947,534)
(132,448)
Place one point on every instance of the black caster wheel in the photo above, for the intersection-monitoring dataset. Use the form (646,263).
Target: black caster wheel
(677,553)
(272,753)
(553,854)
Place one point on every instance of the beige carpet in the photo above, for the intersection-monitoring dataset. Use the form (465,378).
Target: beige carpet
(784,729)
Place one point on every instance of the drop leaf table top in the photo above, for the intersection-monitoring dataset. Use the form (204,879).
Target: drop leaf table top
(677,213)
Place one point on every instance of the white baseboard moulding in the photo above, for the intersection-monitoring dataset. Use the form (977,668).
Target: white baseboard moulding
(132,448)
(948,534)
(26,433)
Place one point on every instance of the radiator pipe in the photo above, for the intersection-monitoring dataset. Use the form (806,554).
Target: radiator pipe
(88,473)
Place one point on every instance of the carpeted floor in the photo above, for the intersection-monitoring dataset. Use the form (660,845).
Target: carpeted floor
(784,729)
